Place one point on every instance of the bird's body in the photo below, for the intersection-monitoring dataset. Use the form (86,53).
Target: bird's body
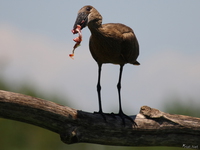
(109,43)
(114,43)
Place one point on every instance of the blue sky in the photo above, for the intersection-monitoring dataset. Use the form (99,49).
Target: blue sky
(36,38)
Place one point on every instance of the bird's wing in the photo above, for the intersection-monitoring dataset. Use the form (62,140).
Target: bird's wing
(130,46)
(119,40)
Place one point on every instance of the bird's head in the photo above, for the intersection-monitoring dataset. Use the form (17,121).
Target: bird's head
(87,15)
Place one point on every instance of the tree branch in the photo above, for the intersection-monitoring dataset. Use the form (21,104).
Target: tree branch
(154,128)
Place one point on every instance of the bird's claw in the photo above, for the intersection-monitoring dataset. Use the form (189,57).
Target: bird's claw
(124,116)
(102,114)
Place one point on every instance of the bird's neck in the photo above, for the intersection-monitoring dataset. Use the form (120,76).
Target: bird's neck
(95,27)
(95,23)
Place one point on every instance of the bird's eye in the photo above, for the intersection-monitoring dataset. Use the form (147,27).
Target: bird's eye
(88,8)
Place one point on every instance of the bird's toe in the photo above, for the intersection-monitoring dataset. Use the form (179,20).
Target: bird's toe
(102,114)
(124,116)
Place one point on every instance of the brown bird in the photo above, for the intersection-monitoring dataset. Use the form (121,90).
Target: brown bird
(109,43)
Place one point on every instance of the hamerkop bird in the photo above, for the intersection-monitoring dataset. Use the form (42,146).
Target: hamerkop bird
(109,43)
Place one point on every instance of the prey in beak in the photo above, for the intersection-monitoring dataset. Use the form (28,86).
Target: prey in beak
(80,23)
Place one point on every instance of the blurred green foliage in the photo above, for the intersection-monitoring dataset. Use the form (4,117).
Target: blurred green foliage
(174,104)
(16,135)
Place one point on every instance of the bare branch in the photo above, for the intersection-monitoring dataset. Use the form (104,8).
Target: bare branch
(154,128)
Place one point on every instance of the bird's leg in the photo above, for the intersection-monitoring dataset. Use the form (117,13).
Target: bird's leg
(99,91)
(119,88)
(99,88)
(121,113)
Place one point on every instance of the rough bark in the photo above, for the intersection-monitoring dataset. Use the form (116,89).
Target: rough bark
(154,127)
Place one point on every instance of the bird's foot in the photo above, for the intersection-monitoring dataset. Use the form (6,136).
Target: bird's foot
(102,114)
(124,116)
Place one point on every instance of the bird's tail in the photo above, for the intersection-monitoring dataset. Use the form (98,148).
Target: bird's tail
(136,63)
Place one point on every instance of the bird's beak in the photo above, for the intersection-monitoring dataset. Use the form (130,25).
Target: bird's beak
(81,20)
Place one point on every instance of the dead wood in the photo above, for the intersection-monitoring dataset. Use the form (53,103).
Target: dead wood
(154,127)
